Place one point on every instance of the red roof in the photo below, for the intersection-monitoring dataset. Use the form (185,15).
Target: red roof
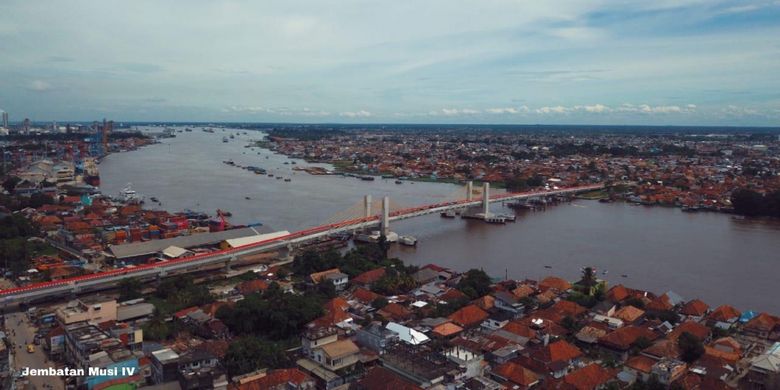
(762,323)
(516,373)
(365,296)
(695,308)
(369,277)
(558,351)
(555,283)
(275,379)
(569,308)
(589,377)
(395,311)
(661,303)
(724,313)
(623,338)
(617,293)
(468,316)
(252,286)
(700,331)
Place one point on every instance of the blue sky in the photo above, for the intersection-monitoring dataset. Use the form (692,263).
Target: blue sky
(684,62)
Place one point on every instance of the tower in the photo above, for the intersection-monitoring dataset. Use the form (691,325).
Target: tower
(5,119)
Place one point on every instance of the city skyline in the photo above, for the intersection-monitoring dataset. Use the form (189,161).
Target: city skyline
(669,63)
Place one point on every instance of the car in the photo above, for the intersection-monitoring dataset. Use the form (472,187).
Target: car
(30,348)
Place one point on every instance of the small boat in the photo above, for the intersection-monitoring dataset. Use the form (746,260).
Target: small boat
(288,179)
(548,266)
(153,199)
(224,139)
(407,240)
(624,275)
(278,178)
(247,198)
(398,182)
(367,178)
(448,214)
(270,175)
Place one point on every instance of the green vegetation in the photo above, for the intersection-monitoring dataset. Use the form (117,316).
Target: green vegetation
(273,315)
(691,347)
(475,283)
(751,203)
(247,354)
(129,289)
(394,282)
(16,248)
(178,293)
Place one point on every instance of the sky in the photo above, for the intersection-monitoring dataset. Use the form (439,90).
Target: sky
(661,62)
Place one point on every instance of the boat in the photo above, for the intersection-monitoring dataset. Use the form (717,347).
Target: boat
(398,182)
(448,214)
(231,136)
(128,194)
(153,199)
(407,240)
(367,178)
(247,198)
(278,178)
(224,139)
(270,175)
(288,179)
(548,266)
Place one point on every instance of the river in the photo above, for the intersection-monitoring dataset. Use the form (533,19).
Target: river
(716,257)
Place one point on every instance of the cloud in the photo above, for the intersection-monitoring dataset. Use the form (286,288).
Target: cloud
(507,110)
(356,114)
(599,108)
(736,111)
(454,112)
(553,110)
(596,108)
(40,86)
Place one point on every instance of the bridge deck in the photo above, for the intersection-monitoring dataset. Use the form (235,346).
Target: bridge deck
(84,282)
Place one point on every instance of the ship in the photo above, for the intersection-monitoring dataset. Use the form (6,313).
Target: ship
(91,174)
(224,139)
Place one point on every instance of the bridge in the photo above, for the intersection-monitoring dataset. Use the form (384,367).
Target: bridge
(368,220)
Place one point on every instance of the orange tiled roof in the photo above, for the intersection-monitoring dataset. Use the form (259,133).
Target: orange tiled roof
(365,296)
(516,373)
(369,277)
(640,363)
(447,329)
(274,379)
(555,283)
(558,351)
(629,313)
(700,331)
(623,338)
(589,377)
(468,315)
(724,313)
(617,293)
(695,308)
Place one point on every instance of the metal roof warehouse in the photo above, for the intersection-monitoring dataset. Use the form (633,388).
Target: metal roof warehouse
(146,248)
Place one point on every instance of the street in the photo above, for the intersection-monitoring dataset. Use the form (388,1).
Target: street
(21,332)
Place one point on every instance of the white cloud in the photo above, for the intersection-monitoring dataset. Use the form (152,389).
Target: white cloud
(40,86)
(732,110)
(454,112)
(595,108)
(553,110)
(506,110)
(356,114)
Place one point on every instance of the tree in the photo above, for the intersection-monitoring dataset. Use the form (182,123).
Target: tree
(129,289)
(251,353)
(691,347)
(475,283)
(379,302)
(748,202)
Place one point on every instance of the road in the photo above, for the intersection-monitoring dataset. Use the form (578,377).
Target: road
(21,332)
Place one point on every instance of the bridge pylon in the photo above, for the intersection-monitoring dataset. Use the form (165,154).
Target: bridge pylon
(469,190)
(486,199)
(385,226)
(367,206)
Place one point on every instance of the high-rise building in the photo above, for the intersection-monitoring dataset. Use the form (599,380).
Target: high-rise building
(5,119)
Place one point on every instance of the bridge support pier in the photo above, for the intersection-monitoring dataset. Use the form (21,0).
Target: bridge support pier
(469,190)
(367,206)
(285,253)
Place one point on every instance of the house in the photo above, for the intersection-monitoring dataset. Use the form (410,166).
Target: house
(366,279)
(382,378)
(590,377)
(395,312)
(668,370)
(764,326)
(555,283)
(508,302)
(723,317)
(336,355)
(764,371)
(375,337)
(620,341)
(630,314)
(556,358)
(468,316)
(514,376)
(698,330)
(640,366)
(406,334)
(333,275)
(251,286)
(316,336)
(279,379)
(695,310)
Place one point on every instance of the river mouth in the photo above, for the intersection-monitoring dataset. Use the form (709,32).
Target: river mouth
(718,258)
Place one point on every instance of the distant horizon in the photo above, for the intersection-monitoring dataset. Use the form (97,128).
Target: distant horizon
(411,124)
